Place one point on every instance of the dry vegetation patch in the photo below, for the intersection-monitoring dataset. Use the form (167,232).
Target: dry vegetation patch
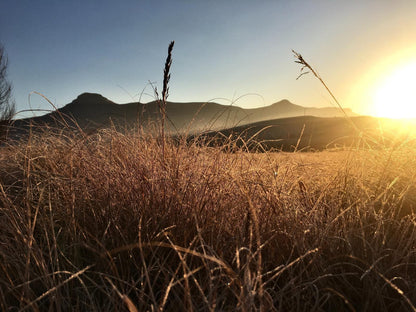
(110,222)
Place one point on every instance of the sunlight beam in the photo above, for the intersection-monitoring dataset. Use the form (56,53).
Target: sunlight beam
(395,95)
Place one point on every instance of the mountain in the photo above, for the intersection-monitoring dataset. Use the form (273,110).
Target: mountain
(282,125)
(285,109)
(92,111)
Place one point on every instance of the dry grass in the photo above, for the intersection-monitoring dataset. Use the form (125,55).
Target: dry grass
(106,222)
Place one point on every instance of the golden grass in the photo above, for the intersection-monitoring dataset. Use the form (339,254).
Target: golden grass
(106,222)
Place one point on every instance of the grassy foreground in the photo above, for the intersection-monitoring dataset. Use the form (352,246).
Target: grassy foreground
(110,222)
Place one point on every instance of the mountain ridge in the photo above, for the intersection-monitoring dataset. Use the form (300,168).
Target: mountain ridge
(93,108)
(279,126)
(92,111)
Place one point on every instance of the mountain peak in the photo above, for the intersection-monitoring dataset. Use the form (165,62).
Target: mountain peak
(87,104)
(90,97)
(284,103)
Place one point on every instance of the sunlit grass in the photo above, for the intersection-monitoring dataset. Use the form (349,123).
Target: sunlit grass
(106,222)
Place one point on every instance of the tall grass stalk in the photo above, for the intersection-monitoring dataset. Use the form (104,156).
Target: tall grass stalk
(165,93)
(305,65)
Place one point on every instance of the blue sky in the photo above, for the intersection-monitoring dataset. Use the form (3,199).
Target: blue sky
(223,49)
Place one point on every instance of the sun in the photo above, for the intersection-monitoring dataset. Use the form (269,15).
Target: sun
(394,95)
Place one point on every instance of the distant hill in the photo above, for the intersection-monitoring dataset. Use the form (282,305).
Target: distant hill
(308,132)
(92,111)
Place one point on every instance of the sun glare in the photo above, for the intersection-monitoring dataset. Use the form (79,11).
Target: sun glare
(394,96)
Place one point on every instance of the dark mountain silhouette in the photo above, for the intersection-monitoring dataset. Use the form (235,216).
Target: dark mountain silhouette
(282,125)
(92,111)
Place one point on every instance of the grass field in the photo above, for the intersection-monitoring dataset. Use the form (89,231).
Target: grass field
(111,222)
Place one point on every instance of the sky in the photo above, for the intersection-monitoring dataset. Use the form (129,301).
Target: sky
(226,51)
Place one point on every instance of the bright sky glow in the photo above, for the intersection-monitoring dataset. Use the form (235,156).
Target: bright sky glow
(395,97)
(387,88)
(223,49)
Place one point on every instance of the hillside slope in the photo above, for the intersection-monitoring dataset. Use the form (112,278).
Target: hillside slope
(310,132)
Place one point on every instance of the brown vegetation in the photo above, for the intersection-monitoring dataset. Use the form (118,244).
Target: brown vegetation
(105,222)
